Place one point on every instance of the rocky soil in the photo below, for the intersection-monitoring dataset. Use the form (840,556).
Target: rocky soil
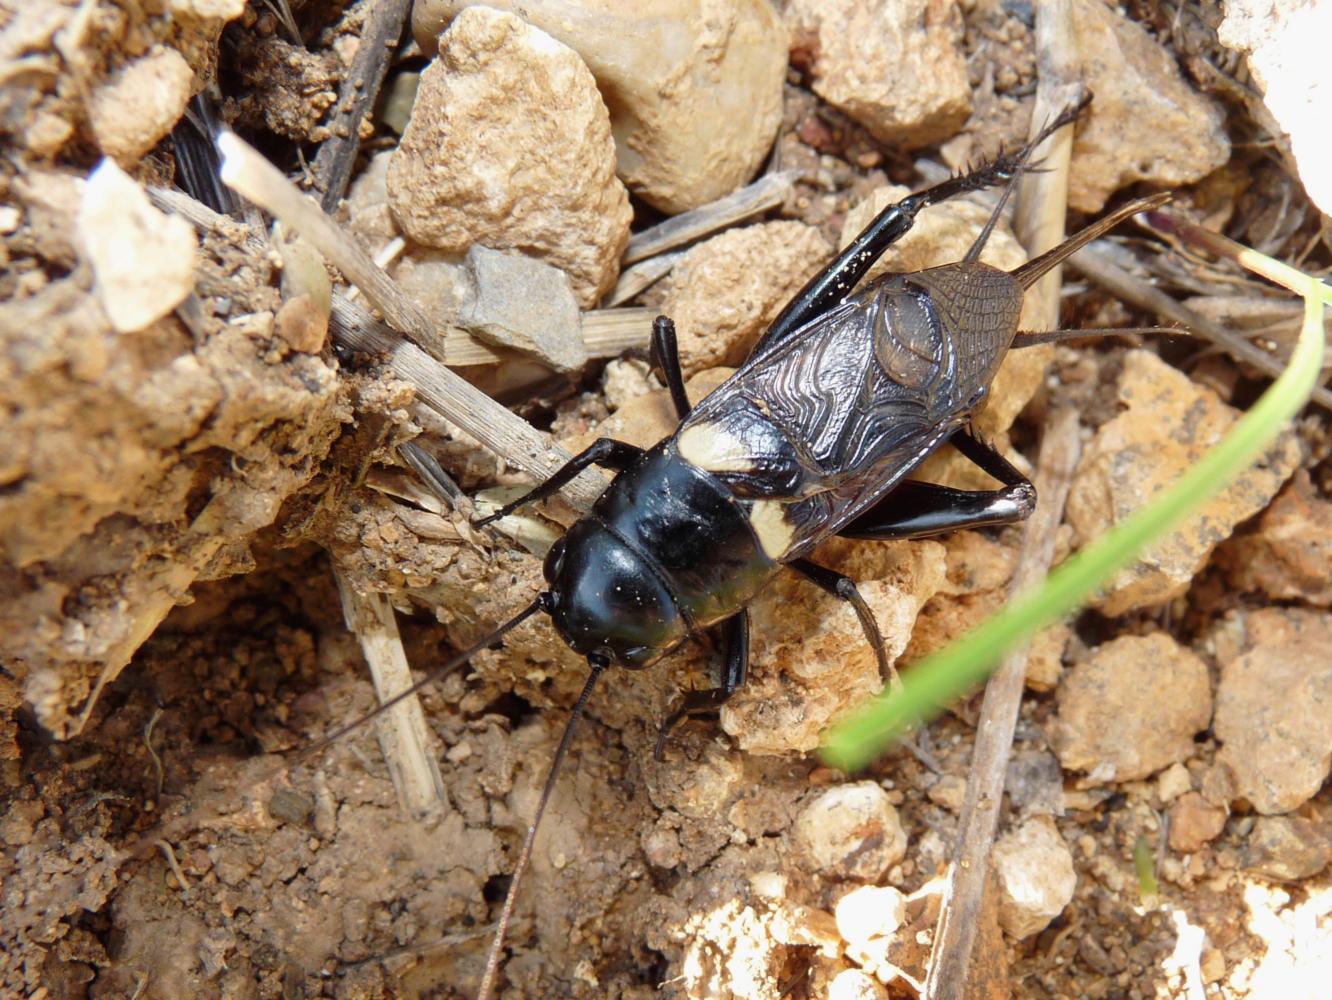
(214,508)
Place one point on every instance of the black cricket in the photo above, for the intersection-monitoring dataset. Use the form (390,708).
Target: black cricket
(814,435)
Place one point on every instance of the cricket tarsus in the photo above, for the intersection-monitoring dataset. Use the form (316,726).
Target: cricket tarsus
(598,664)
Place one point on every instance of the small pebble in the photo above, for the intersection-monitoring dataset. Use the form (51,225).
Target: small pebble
(851,831)
(1036,878)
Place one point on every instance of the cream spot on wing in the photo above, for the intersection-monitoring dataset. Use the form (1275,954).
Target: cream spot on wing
(712,449)
(774,532)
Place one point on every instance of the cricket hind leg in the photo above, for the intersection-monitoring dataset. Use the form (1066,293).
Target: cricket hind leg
(918,510)
(734,634)
(836,281)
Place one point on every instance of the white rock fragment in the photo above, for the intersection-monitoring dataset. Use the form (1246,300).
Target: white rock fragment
(868,918)
(509,145)
(140,103)
(1286,42)
(851,831)
(694,87)
(221,10)
(1131,708)
(142,259)
(870,911)
(1036,879)
(895,66)
(525,305)
(852,984)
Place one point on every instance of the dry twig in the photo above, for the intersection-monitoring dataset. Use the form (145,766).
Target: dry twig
(402,730)
(360,87)
(1040,225)
(960,918)
(1097,265)
(246,171)
(767,192)
(456,400)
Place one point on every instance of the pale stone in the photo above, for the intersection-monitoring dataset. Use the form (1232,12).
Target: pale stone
(811,661)
(1272,713)
(1288,554)
(850,831)
(1173,782)
(1167,424)
(727,290)
(1286,55)
(948,791)
(142,259)
(694,87)
(1036,879)
(869,912)
(509,145)
(852,984)
(1131,708)
(221,10)
(895,66)
(140,103)
(1146,123)
(1194,822)
(1288,848)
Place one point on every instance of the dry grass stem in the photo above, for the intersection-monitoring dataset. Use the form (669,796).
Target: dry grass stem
(456,400)
(640,276)
(360,87)
(765,193)
(1043,194)
(1039,224)
(245,170)
(1097,265)
(403,736)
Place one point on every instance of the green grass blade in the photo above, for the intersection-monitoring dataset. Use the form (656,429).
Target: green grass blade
(944,676)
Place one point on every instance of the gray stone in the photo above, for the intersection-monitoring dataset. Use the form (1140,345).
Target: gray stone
(1287,848)
(523,304)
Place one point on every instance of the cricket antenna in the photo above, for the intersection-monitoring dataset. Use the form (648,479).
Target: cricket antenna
(439,672)
(1065,117)
(1022,339)
(598,664)
(1032,271)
